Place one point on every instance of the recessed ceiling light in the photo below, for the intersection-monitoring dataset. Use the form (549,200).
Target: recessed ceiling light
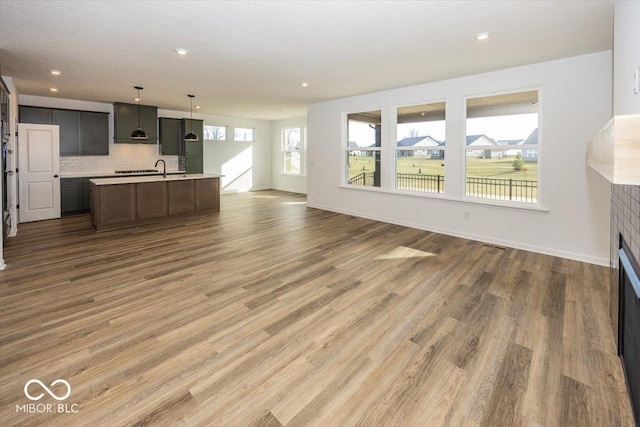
(55,72)
(305,84)
(181,51)
(197,107)
(53,89)
(136,99)
(482,36)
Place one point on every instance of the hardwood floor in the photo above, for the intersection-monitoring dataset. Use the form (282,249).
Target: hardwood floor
(274,314)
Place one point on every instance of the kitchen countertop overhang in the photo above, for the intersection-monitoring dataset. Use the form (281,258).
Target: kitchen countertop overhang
(107,174)
(153,178)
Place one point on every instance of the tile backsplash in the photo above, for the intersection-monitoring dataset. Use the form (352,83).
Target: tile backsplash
(625,220)
(121,157)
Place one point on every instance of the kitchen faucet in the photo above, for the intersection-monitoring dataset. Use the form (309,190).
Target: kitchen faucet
(164,167)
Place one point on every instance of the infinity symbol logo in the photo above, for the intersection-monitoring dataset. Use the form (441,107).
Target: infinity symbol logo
(52,394)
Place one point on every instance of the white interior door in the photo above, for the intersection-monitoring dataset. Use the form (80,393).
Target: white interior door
(39,173)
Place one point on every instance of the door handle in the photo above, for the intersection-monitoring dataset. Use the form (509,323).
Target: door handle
(55,176)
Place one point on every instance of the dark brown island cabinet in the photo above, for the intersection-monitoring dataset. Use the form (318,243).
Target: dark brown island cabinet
(127,202)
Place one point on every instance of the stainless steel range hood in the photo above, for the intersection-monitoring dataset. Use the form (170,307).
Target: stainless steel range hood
(615,150)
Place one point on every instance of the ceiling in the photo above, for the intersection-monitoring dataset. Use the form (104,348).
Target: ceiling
(250,58)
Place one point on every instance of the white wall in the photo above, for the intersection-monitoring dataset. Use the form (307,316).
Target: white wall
(626,58)
(576,100)
(281,181)
(246,166)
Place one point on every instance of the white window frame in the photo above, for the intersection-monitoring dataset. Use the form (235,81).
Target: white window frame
(398,149)
(300,151)
(253,134)
(346,150)
(463,182)
(225,130)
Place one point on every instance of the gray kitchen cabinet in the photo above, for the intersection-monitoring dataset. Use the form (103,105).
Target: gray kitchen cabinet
(172,132)
(75,195)
(71,196)
(197,127)
(125,121)
(94,134)
(171,137)
(37,115)
(194,153)
(194,163)
(70,129)
(81,132)
(86,194)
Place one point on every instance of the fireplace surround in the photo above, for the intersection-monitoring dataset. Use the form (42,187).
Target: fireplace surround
(629,322)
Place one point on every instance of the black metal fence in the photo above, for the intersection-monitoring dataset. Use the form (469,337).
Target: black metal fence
(420,182)
(364,178)
(488,188)
(503,189)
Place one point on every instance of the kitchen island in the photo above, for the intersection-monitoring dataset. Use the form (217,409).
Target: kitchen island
(136,200)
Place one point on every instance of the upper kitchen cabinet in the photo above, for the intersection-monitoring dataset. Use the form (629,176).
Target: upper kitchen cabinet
(197,127)
(82,133)
(94,136)
(36,115)
(171,137)
(172,132)
(70,129)
(125,121)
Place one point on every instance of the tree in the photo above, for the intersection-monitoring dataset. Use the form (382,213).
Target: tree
(518,164)
(413,132)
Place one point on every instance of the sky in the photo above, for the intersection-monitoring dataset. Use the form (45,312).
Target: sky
(517,126)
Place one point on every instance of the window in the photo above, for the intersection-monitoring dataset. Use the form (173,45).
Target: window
(363,148)
(502,147)
(243,134)
(215,133)
(420,148)
(292,151)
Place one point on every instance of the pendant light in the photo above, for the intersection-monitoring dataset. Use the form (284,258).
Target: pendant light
(191,137)
(138,134)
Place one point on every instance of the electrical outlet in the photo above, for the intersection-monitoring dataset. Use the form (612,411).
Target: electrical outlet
(466,215)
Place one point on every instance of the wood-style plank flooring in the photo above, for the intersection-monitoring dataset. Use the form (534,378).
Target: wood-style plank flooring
(274,314)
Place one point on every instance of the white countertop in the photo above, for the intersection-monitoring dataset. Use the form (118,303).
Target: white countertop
(108,174)
(152,178)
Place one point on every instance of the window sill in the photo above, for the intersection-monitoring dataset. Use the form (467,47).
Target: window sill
(292,174)
(445,198)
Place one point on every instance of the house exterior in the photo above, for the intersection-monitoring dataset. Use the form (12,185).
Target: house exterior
(512,144)
(482,140)
(531,154)
(421,141)
(352,144)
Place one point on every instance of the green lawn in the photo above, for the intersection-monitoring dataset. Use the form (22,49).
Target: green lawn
(479,168)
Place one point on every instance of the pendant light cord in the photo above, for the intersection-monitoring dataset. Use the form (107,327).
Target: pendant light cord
(191,128)
(138,108)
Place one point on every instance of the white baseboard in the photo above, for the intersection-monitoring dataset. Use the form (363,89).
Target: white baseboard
(515,245)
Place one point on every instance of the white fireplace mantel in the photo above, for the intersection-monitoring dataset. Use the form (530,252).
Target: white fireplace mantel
(615,150)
